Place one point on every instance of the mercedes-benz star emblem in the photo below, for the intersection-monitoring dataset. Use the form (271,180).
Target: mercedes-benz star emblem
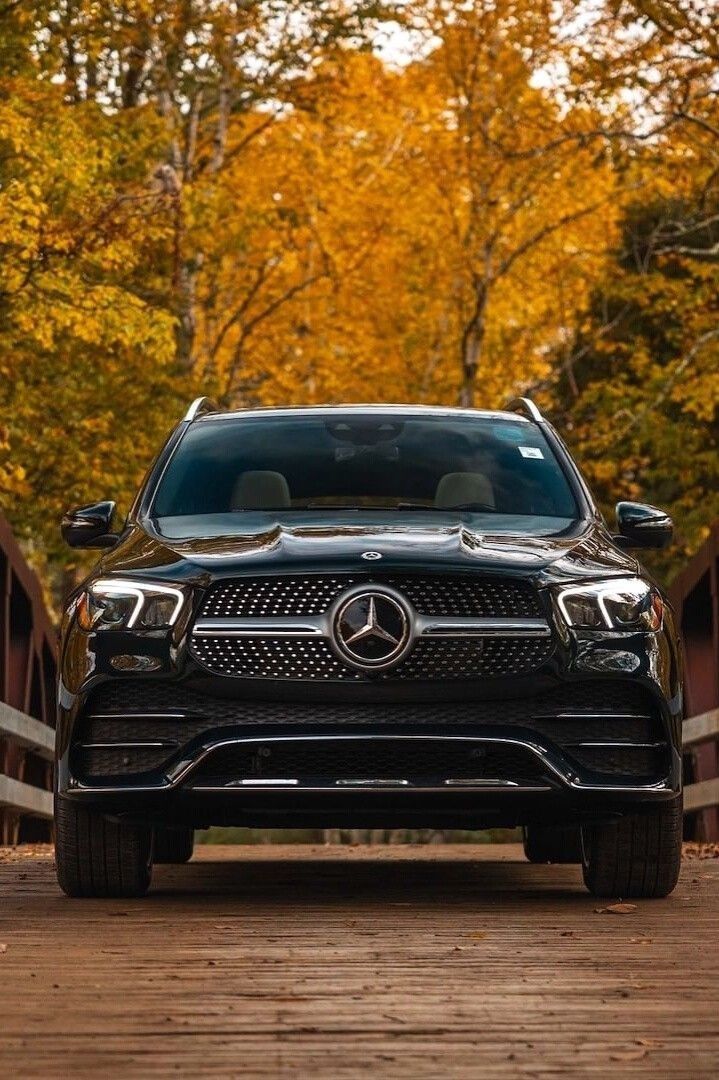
(371,629)
(371,556)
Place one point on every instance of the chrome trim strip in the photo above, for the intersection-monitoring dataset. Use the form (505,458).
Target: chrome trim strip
(482,789)
(251,782)
(137,716)
(128,745)
(269,627)
(461,626)
(657,789)
(481,782)
(590,716)
(423,626)
(184,768)
(384,782)
(615,745)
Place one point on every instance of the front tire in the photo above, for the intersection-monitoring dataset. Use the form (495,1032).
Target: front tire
(553,843)
(173,845)
(96,856)
(637,856)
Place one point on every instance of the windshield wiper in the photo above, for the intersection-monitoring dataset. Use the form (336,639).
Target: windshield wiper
(474,508)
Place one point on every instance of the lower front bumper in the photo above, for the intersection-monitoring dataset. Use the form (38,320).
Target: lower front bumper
(208,789)
(385,808)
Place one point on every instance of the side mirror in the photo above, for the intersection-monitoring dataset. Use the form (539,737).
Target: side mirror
(643,526)
(90,526)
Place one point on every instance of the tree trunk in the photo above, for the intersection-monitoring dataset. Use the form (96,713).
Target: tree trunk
(471,349)
(184,285)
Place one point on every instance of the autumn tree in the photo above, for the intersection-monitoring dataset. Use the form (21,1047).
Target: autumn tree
(640,375)
(219,75)
(516,176)
(83,337)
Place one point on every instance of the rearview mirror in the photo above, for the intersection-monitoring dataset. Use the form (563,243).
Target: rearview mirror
(90,526)
(643,526)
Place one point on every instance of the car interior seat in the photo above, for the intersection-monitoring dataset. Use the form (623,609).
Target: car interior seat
(463,489)
(260,489)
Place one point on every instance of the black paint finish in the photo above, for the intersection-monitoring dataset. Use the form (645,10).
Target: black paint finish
(446,544)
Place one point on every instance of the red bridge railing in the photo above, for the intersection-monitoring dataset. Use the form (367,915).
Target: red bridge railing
(27,698)
(695,595)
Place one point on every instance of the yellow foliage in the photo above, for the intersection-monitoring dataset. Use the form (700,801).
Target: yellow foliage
(246,200)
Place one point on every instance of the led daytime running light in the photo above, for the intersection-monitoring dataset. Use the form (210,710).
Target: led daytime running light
(119,587)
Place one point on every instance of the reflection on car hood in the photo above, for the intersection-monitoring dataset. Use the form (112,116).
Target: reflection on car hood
(275,543)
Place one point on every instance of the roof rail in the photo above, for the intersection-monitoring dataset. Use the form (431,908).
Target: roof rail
(199,407)
(525,405)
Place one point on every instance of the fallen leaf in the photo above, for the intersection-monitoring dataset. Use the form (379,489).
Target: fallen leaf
(616,909)
(477,935)
(3,948)
(649,1043)
(628,1055)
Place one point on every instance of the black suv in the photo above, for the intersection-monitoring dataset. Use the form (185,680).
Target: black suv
(368,616)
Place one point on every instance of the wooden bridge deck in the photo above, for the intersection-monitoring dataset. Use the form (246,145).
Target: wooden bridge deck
(327,962)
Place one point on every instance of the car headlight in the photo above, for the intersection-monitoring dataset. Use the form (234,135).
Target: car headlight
(621,604)
(114,604)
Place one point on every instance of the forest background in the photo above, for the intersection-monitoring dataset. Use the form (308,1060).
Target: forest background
(304,202)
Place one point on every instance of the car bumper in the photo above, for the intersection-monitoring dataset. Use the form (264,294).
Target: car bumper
(409,743)
(405,807)
(206,788)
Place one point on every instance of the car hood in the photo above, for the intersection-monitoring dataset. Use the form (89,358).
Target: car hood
(269,543)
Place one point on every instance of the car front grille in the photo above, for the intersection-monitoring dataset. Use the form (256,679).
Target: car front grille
(302,659)
(180,718)
(438,595)
(244,644)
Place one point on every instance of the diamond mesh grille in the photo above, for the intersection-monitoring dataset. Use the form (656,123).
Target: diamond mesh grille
(271,658)
(445,659)
(448,595)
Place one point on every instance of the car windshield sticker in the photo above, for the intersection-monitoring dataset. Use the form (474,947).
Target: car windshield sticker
(531,452)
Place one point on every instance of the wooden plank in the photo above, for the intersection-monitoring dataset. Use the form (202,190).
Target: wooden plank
(26,731)
(395,963)
(701,795)
(25,798)
(700,728)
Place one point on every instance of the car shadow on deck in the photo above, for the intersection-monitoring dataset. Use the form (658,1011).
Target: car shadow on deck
(371,876)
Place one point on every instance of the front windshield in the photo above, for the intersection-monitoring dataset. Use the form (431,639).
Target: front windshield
(292,463)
